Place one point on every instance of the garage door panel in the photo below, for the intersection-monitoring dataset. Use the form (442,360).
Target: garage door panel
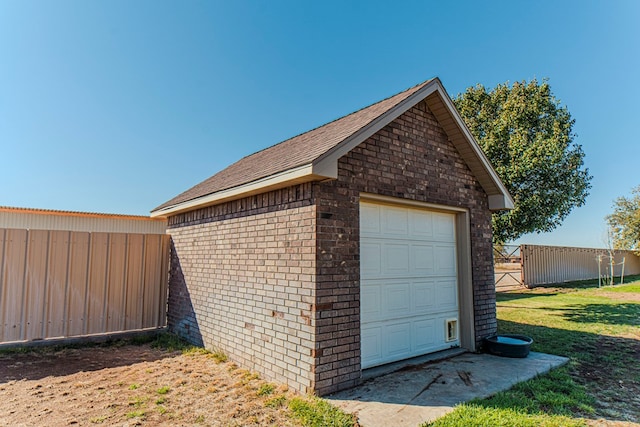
(398,337)
(446,294)
(443,227)
(397,301)
(425,334)
(423,297)
(445,260)
(371,346)
(395,221)
(371,302)
(423,260)
(421,224)
(370,219)
(395,259)
(370,259)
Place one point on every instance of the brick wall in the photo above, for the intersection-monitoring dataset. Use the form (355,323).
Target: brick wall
(242,280)
(411,158)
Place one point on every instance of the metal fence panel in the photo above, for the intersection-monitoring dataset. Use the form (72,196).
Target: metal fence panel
(60,284)
(557,264)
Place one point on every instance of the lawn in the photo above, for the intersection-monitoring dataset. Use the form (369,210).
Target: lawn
(598,329)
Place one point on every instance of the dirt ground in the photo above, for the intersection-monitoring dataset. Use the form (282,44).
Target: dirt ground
(134,385)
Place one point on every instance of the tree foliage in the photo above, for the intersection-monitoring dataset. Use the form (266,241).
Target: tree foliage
(527,135)
(624,222)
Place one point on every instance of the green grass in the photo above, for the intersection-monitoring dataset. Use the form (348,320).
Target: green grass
(315,412)
(136,414)
(597,331)
(475,415)
(590,283)
(163,390)
(266,389)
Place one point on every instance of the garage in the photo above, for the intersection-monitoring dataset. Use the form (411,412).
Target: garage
(358,243)
(409,284)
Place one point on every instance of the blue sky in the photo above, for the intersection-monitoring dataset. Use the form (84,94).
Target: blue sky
(117,106)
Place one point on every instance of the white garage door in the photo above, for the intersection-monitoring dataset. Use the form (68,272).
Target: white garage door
(409,289)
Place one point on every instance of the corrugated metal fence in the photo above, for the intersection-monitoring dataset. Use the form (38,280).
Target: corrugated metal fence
(556,264)
(64,283)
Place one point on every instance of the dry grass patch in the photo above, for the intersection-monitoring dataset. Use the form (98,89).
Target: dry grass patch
(136,384)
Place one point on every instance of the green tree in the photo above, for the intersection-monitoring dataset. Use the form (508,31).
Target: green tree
(624,222)
(527,135)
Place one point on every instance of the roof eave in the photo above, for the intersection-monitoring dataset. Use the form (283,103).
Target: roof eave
(298,175)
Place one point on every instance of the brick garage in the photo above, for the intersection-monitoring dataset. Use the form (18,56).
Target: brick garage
(270,265)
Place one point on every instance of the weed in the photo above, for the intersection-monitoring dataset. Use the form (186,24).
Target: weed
(199,419)
(138,401)
(195,351)
(276,402)
(97,420)
(136,414)
(162,410)
(161,400)
(266,389)
(134,386)
(218,355)
(163,390)
(170,342)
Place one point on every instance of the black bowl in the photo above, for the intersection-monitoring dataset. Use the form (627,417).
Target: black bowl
(508,345)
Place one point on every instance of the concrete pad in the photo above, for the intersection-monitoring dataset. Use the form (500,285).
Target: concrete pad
(424,392)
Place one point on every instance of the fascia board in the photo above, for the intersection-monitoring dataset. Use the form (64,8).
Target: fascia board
(498,202)
(297,175)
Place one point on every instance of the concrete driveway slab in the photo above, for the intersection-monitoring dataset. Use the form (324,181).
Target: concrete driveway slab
(424,392)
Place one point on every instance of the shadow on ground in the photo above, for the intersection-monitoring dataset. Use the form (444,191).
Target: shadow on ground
(606,366)
(612,314)
(41,363)
(514,296)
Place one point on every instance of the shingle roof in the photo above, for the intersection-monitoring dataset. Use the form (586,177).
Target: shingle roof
(314,155)
(297,151)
